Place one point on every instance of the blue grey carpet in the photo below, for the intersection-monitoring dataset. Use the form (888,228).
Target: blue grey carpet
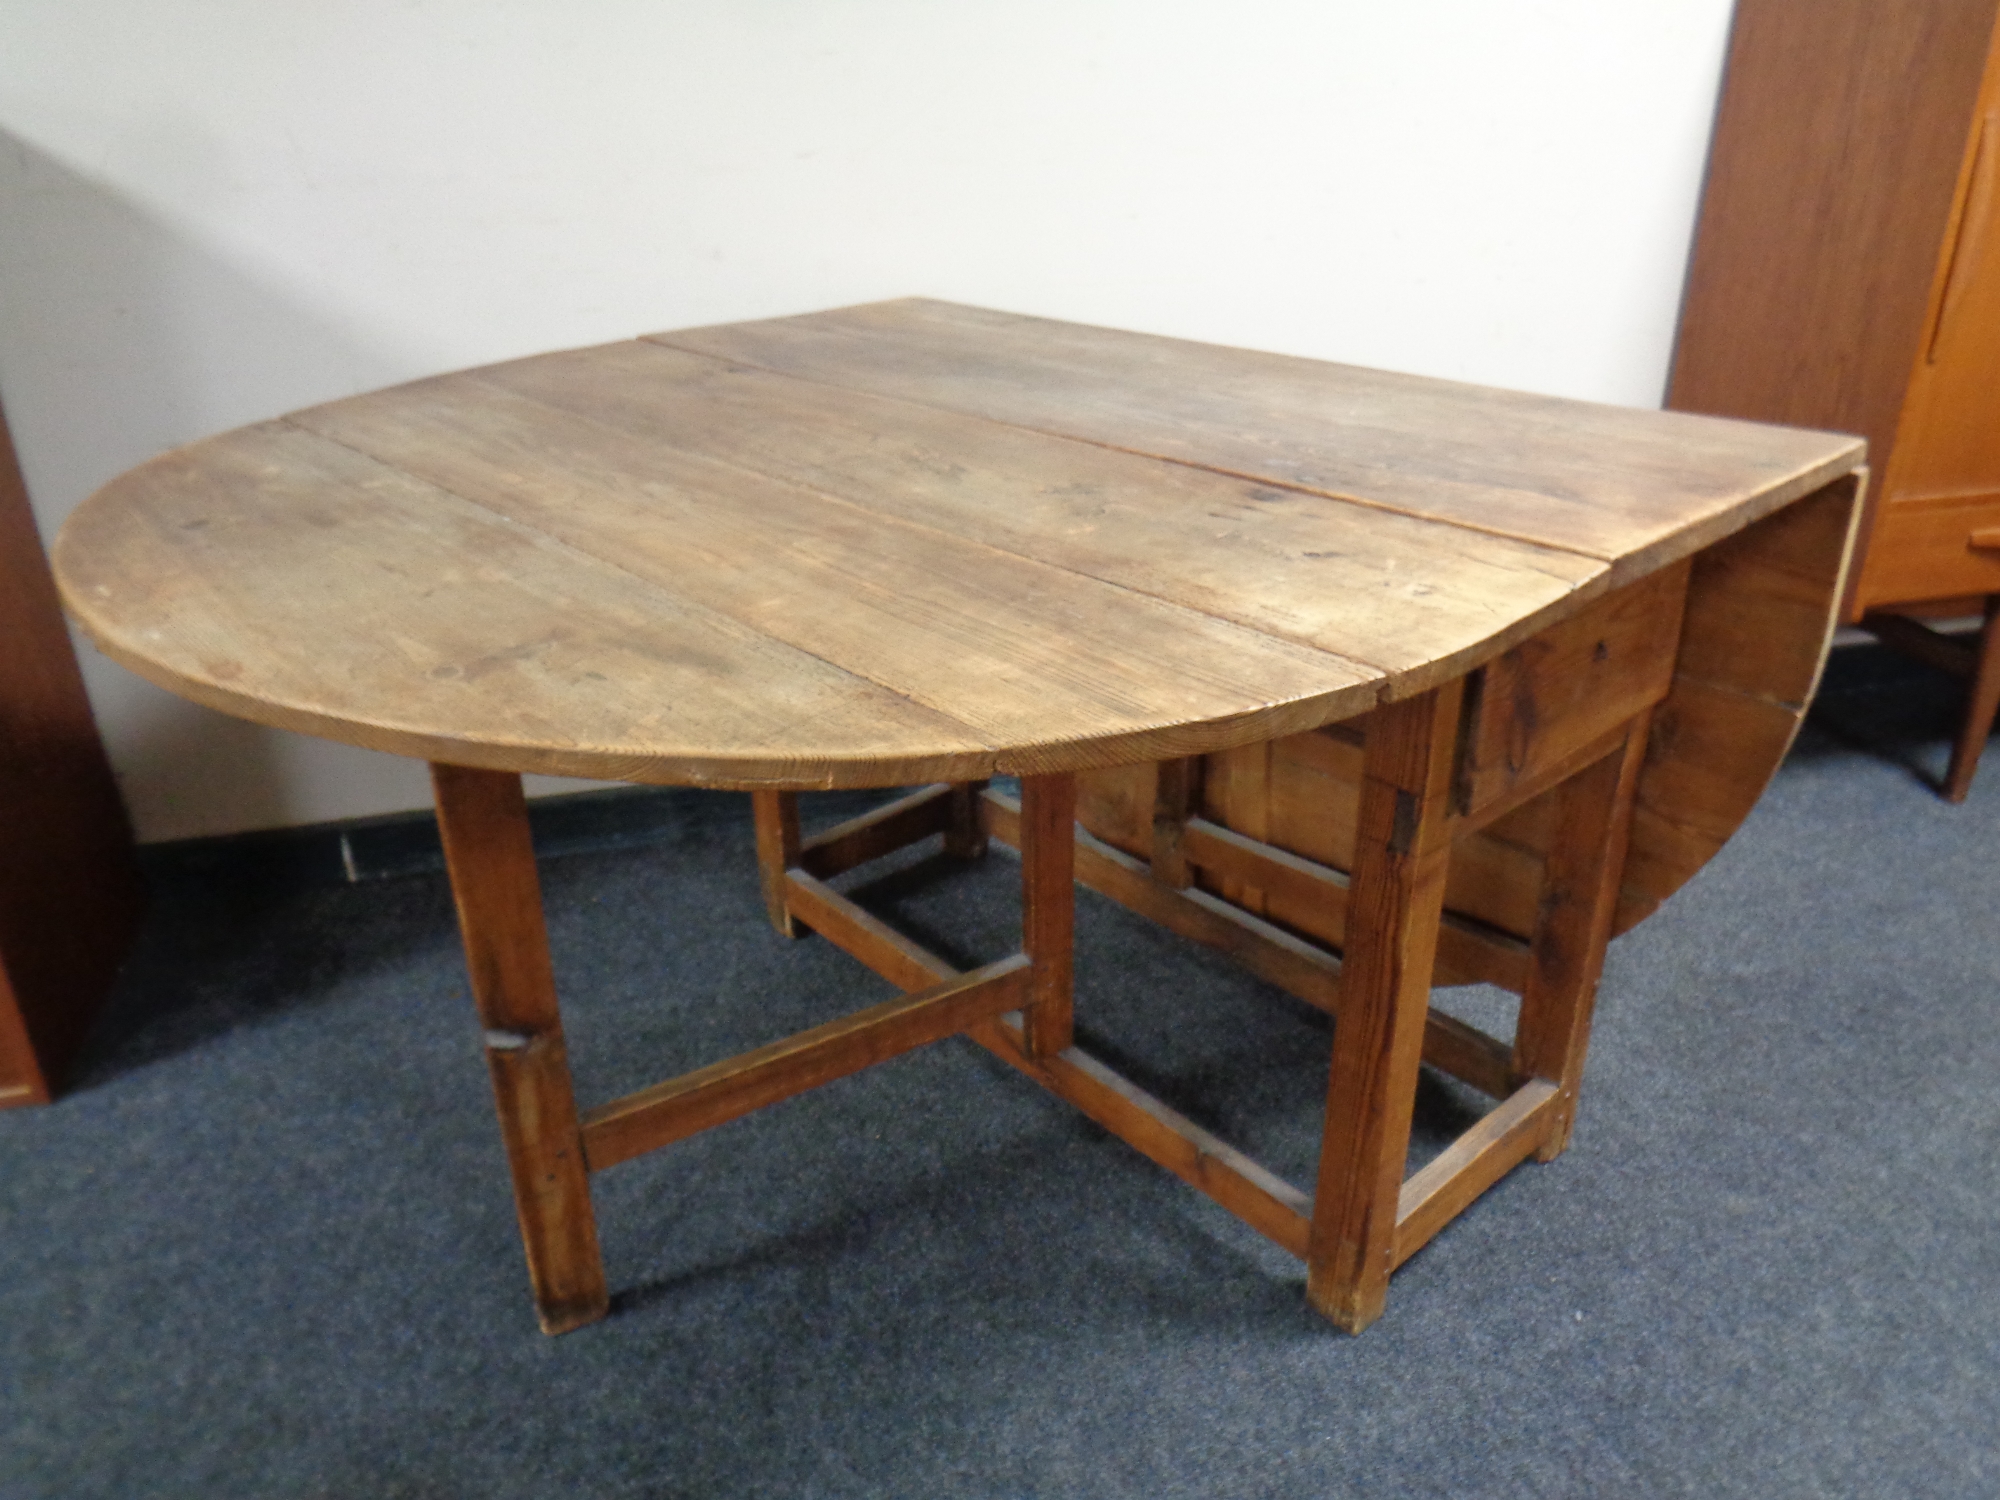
(266,1247)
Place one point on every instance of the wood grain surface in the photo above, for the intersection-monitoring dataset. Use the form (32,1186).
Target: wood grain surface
(916,542)
(69,890)
(1838,143)
(888,544)
(1845,271)
(1631,488)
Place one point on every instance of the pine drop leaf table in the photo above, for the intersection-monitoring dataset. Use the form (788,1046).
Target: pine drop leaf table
(1373,681)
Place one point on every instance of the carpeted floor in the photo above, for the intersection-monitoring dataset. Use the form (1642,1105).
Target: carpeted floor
(266,1246)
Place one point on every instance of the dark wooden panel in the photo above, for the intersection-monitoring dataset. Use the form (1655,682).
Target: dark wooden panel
(69,894)
(1837,152)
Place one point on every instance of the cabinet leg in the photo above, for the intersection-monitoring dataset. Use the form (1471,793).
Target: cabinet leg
(1579,898)
(1395,900)
(1982,703)
(491,858)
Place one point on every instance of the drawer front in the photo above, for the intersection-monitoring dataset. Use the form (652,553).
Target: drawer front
(1556,694)
(1933,548)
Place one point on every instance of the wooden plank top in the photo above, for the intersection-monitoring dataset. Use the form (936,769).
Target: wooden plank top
(1635,489)
(885,544)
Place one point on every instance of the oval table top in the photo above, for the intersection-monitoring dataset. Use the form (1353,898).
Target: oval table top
(902,542)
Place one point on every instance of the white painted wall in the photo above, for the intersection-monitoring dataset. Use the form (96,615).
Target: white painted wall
(213,211)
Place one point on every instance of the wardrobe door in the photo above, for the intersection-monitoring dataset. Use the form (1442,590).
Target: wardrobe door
(1937,531)
(1839,146)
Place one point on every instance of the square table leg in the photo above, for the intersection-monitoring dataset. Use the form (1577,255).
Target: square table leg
(1573,925)
(776,815)
(1048,909)
(964,831)
(1176,798)
(484,821)
(1395,901)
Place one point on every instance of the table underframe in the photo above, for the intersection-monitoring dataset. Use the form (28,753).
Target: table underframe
(1363,1219)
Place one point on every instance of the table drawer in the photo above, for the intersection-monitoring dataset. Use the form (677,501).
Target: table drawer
(1532,709)
(1555,694)
(1933,548)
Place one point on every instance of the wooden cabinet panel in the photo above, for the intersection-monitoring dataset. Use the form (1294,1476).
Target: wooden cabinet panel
(68,887)
(1846,274)
(1936,547)
(1949,443)
(1831,183)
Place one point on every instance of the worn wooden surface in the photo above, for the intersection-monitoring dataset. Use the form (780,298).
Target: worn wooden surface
(1761,610)
(1632,490)
(891,543)
(1730,651)
(1351,615)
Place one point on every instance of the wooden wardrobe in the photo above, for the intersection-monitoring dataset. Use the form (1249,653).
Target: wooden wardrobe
(69,891)
(1846,275)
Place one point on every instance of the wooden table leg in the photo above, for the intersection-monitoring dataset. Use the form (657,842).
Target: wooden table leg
(1980,708)
(1395,900)
(484,821)
(964,830)
(777,818)
(1579,897)
(1176,795)
(1048,908)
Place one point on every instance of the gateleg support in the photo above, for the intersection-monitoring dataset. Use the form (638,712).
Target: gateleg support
(777,819)
(483,819)
(1048,909)
(1176,797)
(1394,906)
(964,829)
(1580,882)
